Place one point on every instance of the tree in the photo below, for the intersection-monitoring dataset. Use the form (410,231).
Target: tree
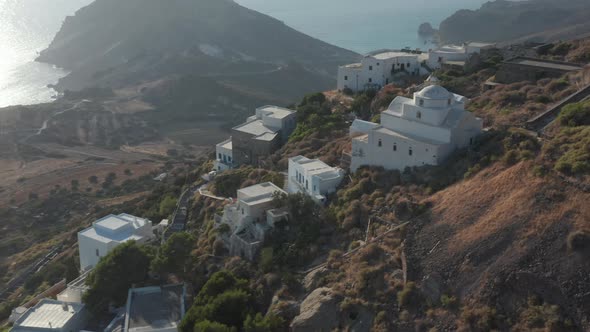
(175,254)
(223,299)
(126,265)
(167,205)
(259,323)
(209,326)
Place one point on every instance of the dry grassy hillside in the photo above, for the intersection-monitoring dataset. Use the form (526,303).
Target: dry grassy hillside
(501,238)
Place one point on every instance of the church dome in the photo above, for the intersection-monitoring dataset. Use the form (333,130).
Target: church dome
(434,92)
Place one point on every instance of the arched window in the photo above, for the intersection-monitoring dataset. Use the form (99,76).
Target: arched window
(380,143)
(419,115)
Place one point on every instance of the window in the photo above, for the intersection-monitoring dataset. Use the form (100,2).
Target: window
(229,159)
(449,102)
(370,80)
(419,115)
(410,152)
(408,65)
(220,156)
(346,78)
(471,141)
(394,146)
(377,63)
(314,188)
(370,67)
(97,253)
(306,184)
(421,102)
(242,210)
(380,143)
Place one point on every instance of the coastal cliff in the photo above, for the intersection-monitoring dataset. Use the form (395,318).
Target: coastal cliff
(530,20)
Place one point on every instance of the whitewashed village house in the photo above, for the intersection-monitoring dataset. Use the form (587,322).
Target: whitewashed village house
(421,131)
(262,134)
(455,54)
(313,177)
(107,233)
(380,68)
(250,218)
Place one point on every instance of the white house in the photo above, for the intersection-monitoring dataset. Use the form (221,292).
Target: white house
(380,68)
(107,233)
(421,131)
(263,133)
(455,53)
(52,316)
(250,218)
(313,177)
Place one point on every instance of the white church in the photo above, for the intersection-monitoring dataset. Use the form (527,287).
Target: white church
(421,131)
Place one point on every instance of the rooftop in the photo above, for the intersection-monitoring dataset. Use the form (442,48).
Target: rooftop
(266,137)
(255,128)
(49,314)
(481,45)
(227,144)
(275,111)
(155,308)
(392,54)
(317,167)
(541,63)
(260,193)
(118,228)
(354,65)
(434,92)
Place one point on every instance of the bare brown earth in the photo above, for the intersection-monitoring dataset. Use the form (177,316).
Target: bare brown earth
(19,178)
(500,238)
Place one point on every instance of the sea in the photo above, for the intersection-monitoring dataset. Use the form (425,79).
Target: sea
(28,26)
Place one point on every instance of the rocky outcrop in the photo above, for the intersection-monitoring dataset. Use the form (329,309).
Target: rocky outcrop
(426,30)
(318,312)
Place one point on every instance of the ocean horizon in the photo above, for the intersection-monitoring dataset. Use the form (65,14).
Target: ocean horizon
(28,26)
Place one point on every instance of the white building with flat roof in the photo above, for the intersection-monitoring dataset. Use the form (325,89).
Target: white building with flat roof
(250,218)
(420,131)
(262,134)
(51,315)
(457,54)
(313,177)
(107,233)
(380,68)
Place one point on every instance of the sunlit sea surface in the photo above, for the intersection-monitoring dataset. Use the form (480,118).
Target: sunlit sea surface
(28,26)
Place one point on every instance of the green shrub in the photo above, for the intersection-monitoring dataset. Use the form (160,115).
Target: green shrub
(574,115)
(449,302)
